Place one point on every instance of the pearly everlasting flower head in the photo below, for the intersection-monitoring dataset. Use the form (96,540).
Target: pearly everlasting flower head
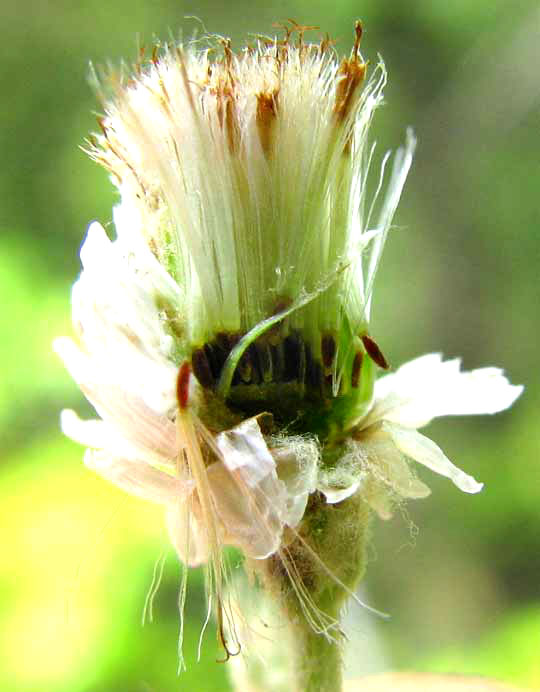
(223,336)
(245,176)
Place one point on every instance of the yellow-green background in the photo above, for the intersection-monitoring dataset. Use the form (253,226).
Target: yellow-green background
(460,275)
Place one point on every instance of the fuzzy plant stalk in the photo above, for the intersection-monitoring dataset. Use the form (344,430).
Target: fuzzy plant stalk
(330,535)
(223,336)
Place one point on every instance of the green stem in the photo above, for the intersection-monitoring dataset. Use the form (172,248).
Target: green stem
(318,662)
(325,558)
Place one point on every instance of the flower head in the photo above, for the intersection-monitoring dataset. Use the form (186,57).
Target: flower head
(245,175)
(223,336)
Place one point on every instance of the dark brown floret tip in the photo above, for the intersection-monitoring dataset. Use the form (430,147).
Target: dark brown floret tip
(328,350)
(201,368)
(293,357)
(264,358)
(266,115)
(374,352)
(264,362)
(352,73)
(245,368)
(356,369)
(182,385)
(314,373)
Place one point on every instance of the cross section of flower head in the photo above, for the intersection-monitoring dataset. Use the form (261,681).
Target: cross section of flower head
(223,336)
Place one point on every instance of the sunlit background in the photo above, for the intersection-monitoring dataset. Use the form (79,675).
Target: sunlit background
(460,275)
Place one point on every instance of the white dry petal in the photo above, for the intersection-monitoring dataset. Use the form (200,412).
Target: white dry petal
(400,170)
(135,251)
(428,387)
(423,450)
(296,507)
(187,533)
(386,464)
(118,321)
(94,433)
(347,476)
(297,459)
(244,449)
(251,516)
(249,498)
(410,398)
(334,495)
(131,417)
(375,466)
(379,499)
(138,478)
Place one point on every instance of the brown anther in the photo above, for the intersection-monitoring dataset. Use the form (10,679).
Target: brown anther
(245,369)
(224,341)
(358,30)
(227,50)
(314,373)
(325,44)
(212,361)
(264,361)
(356,369)
(182,385)
(155,56)
(266,116)
(278,360)
(201,368)
(228,117)
(293,348)
(328,350)
(232,126)
(352,73)
(374,352)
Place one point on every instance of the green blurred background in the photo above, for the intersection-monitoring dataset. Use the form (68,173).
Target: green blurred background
(460,275)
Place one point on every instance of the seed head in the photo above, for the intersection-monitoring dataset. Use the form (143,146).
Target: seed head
(245,172)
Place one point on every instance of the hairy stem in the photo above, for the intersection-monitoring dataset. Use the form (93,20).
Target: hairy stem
(318,661)
(311,580)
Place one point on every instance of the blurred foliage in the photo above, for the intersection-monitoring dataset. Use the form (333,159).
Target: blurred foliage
(460,274)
